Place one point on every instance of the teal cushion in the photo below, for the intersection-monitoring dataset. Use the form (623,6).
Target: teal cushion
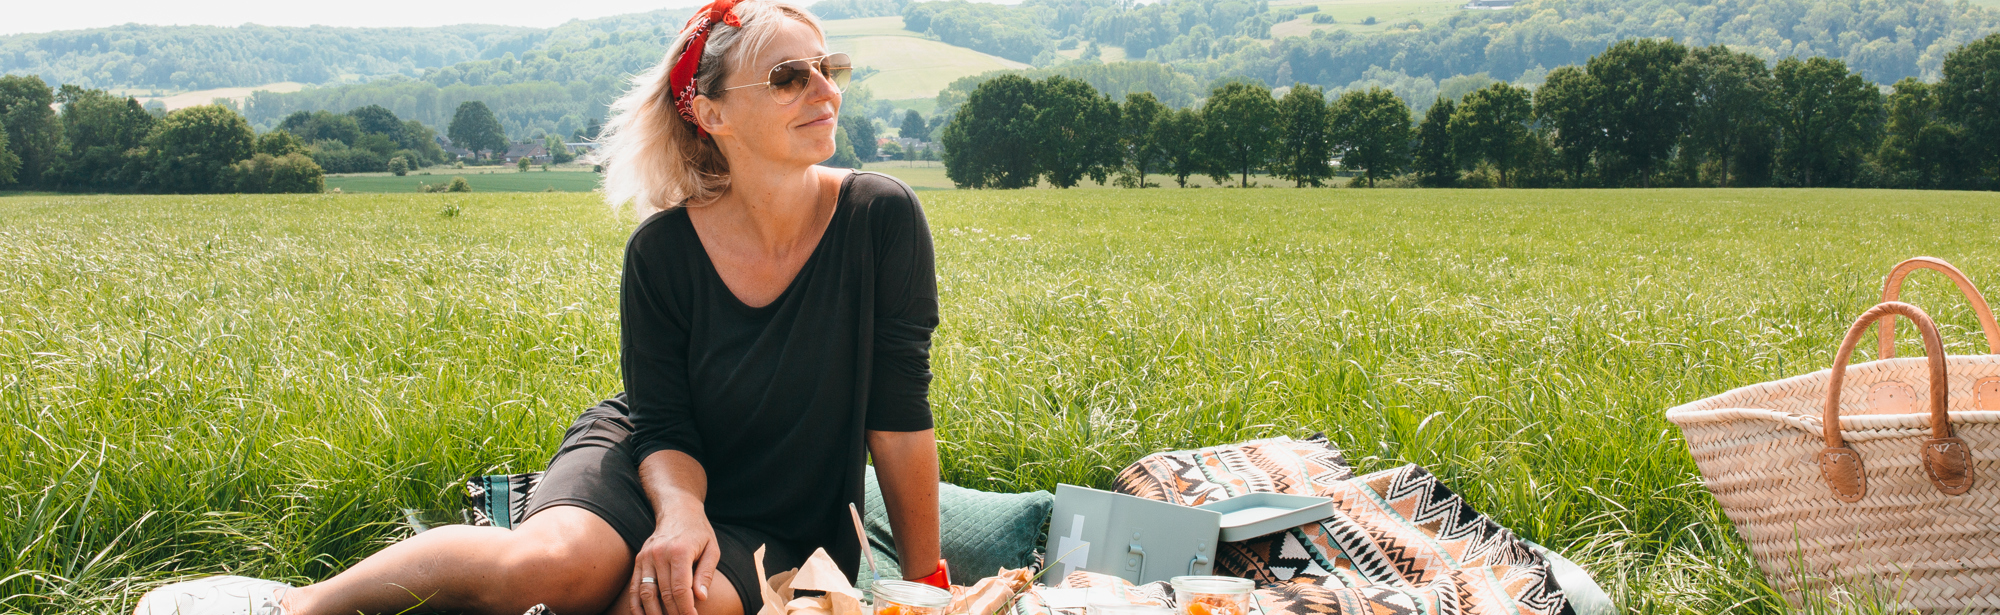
(982,532)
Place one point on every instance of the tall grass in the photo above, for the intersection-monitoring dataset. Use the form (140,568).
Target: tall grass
(261,385)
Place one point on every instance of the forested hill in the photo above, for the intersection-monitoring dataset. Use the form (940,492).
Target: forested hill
(1885,40)
(203,57)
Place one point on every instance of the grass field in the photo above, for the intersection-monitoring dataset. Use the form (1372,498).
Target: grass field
(912,66)
(483,179)
(261,384)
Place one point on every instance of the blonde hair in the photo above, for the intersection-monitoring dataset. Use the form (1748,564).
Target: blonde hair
(651,156)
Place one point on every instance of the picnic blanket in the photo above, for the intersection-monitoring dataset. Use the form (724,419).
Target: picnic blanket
(1400,541)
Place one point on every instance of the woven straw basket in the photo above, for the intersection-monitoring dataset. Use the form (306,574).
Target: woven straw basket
(1903,498)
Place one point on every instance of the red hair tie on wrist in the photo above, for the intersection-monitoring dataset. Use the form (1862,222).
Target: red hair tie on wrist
(938,579)
(680,79)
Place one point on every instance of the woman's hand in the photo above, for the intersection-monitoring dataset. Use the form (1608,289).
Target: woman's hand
(681,554)
(679,557)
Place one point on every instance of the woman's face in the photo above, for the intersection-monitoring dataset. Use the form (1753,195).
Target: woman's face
(749,122)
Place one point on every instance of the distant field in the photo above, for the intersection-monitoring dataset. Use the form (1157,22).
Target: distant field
(1350,13)
(203,97)
(912,66)
(507,180)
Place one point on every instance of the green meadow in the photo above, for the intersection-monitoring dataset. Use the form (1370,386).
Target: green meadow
(264,385)
(482,179)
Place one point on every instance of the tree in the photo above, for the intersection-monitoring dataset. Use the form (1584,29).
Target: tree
(991,141)
(376,119)
(1731,109)
(558,151)
(266,174)
(521,164)
(861,133)
(1178,135)
(1078,128)
(1566,107)
(1921,148)
(1371,132)
(317,126)
(843,152)
(1643,102)
(9,163)
(913,126)
(1240,130)
(193,147)
(1437,152)
(1827,117)
(399,167)
(279,144)
(100,134)
(1491,127)
(1137,119)
(420,140)
(1970,93)
(1304,143)
(33,135)
(474,128)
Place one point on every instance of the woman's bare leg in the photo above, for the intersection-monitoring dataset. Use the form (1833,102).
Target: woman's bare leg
(565,557)
(722,600)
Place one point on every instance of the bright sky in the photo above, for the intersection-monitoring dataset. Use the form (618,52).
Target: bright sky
(44,16)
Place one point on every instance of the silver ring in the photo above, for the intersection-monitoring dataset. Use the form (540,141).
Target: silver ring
(645,580)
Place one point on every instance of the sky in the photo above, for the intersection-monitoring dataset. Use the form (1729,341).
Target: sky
(43,16)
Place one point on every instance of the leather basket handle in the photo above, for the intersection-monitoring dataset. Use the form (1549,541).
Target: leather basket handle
(1947,459)
(1892,287)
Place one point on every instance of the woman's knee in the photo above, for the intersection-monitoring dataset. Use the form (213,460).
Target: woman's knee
(571,561)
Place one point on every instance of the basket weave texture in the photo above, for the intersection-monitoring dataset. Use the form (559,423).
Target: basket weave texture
(1759,449)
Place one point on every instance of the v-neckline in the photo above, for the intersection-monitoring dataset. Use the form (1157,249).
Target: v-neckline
(715,275)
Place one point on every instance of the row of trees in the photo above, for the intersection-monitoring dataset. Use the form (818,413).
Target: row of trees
(105,143)
(1643,113)
(365,139)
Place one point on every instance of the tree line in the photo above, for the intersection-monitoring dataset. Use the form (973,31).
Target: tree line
(1645,112)
(105,143)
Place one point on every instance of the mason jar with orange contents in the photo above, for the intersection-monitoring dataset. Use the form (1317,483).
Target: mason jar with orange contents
(894,597)
(1207,595)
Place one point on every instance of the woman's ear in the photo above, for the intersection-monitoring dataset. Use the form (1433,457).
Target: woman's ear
(708,115)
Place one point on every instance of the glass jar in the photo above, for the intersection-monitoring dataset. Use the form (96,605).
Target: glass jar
(897,597)
(1207,595)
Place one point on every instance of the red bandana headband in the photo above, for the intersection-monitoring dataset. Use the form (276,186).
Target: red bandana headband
(680,80)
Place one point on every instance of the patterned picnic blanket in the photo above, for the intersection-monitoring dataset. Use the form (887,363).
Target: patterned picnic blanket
(1399,541)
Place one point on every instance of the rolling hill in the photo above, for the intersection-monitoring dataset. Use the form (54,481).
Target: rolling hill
(910,65)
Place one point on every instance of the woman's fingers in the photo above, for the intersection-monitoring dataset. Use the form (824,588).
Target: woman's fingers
(704,570)
(680,568)
(645,596)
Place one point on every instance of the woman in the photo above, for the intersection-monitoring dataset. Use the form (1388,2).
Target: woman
(776,320)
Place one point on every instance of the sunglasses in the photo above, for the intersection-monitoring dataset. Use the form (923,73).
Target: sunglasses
(791,78)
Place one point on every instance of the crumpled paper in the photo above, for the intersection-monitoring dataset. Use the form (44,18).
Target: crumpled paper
(820,574)
(990,594)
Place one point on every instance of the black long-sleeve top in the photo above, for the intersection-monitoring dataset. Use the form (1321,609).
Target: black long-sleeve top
(774,401)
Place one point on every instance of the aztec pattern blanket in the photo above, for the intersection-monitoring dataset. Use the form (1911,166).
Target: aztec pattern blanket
(1399,541)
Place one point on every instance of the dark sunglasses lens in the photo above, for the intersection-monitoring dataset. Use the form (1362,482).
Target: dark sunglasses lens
(788,80)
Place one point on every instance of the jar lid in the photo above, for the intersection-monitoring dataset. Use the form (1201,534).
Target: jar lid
(1212,585)
(909,593)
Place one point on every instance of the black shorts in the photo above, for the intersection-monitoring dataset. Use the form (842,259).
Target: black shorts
(595,470)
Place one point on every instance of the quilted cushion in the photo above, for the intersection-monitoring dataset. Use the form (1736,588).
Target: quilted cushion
(982,532)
